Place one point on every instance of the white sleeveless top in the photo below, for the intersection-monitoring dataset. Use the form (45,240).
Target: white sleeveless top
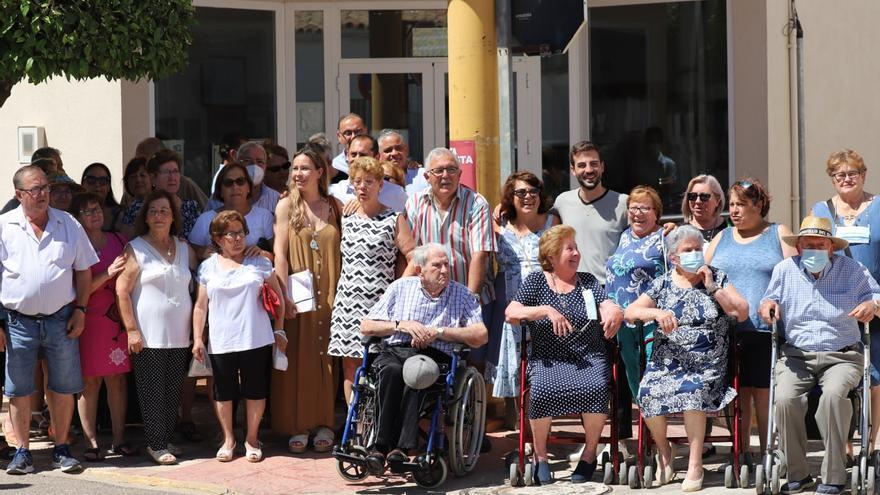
(161,300)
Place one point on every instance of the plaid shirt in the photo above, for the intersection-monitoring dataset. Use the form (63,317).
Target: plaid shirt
(405,299)
(466,229)
(815,310)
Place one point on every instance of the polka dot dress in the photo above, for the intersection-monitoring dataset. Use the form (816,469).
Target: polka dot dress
(568,375)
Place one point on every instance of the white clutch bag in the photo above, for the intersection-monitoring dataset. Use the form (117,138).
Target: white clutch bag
(301,291)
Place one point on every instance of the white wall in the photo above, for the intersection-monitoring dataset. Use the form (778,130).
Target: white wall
(82,119)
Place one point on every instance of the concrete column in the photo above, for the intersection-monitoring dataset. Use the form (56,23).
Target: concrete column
(473,87)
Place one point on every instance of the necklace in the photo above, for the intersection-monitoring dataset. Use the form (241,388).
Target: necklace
(854,211)
(559,295)
(159,247)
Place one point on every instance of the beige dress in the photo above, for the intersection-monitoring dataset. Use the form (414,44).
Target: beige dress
(303,396)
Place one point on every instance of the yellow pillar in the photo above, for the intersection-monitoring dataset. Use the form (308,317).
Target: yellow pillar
(473,87)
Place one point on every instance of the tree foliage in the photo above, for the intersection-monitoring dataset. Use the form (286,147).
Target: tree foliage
(82,39)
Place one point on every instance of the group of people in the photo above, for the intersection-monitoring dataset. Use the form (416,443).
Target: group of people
(388,247)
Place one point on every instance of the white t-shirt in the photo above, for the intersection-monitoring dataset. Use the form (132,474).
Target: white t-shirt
(37,274)
(161,300)
(340,162)
(259,222)
(391,195)
(237,320)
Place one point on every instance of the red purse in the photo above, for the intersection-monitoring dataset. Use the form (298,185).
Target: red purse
(271,301)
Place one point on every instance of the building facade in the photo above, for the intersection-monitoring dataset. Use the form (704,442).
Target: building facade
(669,89)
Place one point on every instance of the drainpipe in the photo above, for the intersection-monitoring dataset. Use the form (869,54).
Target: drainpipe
(795,93)
(802,135)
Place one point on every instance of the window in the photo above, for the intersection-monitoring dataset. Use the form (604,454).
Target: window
(658,89)
(228,87)
(309,40)
(393,33)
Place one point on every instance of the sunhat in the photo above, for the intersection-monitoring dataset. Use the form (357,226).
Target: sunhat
(816,227)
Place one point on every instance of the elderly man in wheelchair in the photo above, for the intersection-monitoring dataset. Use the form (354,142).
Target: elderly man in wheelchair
(421,320)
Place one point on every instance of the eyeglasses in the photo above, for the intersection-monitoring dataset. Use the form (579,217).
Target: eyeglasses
(842,176)
(277,168)
(96,180)
(743,184)
(36,190)
(234,236)
(89,212)
(639,209)
(363,182)
(169,173)
(238,181)
(60,191)
(439,171)
(522,193)
(161,212)
(704,197)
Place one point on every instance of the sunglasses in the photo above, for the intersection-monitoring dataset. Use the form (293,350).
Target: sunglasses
(240,181)
(704,197)
(277,168)
(522,193)
(94,180)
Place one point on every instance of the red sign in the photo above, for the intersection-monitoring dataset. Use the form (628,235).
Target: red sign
(466,151)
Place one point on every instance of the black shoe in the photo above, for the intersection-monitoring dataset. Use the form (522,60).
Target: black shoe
(710,452)
(829,489)
(376,463)
(486,445)
(583,472)
(798,486)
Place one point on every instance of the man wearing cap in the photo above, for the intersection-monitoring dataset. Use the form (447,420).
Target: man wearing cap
(424,314)
(820,297)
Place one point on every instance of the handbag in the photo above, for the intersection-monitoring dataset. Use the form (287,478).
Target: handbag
(270,299)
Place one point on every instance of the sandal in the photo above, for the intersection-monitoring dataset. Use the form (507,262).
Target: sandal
(253,454)
(323,439)
(188,431)
(174,449)
(226,454)
(298,443)
(124,449)
(93,455)
(162,456)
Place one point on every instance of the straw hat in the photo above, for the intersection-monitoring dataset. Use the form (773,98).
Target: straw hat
(816,227)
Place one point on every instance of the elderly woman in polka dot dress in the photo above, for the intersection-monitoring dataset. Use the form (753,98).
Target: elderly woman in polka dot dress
(568,367)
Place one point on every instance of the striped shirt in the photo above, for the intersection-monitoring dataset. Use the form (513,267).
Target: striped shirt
(466,229)
(405,299)
(815,310)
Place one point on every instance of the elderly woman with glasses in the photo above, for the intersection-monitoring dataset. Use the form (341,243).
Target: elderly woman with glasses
(96,179)
(702,205)
(277,167)
(747,253)
(569,369)
(638,260)
(687,372)
(855,216)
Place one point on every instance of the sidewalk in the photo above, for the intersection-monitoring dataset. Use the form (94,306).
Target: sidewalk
(283,473)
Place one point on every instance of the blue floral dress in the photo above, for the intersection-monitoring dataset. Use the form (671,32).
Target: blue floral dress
(517,258)
(628,273)
(688,369)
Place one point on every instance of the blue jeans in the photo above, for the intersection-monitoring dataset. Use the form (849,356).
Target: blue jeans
(25,336)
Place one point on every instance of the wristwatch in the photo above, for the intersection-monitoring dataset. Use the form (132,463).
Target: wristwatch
(396,325)
(82,308)
(440,331)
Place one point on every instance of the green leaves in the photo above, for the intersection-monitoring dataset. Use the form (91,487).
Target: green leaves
(116,39)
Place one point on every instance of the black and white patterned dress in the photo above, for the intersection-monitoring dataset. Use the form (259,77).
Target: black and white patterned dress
(567,375)
(369,254)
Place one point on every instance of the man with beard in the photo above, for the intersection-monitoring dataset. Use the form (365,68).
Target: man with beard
(597,214)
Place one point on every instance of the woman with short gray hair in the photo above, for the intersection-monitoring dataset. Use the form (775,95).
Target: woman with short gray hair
(687,370)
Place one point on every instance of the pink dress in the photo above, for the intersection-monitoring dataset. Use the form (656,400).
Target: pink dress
(103,345)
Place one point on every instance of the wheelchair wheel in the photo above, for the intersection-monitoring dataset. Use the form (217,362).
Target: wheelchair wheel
(759,479)
(744,476)
(513,471)
(774,480)
(366,426)
(468,413)
(633,477)
(434,475)
(622,473)
(869,480)
(854,485)
(729,481)
(608,473)
(529,474)
(648,478)
(351,471)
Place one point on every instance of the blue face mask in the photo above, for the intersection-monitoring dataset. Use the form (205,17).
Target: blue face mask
(814,260)
(691,261)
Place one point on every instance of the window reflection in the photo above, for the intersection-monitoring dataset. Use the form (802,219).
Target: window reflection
(393,33)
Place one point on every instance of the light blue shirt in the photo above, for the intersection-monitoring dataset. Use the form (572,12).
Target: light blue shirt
(815,310)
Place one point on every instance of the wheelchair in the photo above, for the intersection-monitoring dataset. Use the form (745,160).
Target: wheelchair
(773,465)
(455,407)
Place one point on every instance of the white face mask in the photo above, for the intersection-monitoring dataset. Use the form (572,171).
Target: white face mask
(256,172)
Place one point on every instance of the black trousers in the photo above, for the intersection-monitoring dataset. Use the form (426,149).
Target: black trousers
(159,375)
(398,405)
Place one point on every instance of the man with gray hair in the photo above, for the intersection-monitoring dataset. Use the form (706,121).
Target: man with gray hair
(393,148)
(45,282)
(424,314)
(253,156)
